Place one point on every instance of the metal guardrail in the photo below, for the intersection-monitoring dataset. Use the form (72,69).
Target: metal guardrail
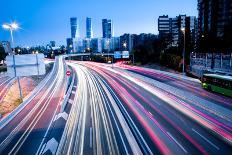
(27,100)
(65,101)
(201,63)
(88,54)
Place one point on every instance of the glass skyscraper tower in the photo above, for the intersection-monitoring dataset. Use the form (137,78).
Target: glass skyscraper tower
(89,28)
(107,28)
(74,28)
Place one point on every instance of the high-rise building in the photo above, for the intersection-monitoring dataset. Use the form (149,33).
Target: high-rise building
(78,45)
(215,24)
(170,29)
(89,28)
(164,26)
(106,44)
(115,44)
(107,28)
(96,45)
(191,32)
(175,30)
(70,46)
(74,28)
(87,45)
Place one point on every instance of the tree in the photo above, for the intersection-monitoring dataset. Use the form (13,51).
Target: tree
(2,53)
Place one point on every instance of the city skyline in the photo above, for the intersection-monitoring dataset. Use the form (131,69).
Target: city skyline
(43,19)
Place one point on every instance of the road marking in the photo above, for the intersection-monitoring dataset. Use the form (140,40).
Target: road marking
(155,101)
(63,115)
(91,137)
(206,139)
(128,116)
(70,101)
(177,143)
(51,145)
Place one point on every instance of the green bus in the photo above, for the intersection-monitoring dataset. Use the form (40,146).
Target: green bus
(218,83)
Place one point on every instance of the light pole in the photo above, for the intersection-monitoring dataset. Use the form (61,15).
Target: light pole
(183,54)
(108,44)
(11,27)
(124,45)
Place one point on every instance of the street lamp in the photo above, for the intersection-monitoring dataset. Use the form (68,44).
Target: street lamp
(183,54)
(124,45)
(11,27)
(108,46)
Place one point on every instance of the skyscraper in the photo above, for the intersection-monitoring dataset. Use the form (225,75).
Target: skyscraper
(164,25)
(215,24)
(74,27)
(107,28)
(170,29)
(89,28)
(70,47)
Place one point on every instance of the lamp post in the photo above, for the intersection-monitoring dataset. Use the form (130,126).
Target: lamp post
(124,45)
(108,46)
(183,54)
(11,27)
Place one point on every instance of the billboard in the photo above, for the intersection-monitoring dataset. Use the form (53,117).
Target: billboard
(117,55)
(25,65)
(125,54)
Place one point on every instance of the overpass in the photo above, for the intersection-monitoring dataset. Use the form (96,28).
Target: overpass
(88,54)
(96,54)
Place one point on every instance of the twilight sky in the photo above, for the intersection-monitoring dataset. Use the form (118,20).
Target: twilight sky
(45,20)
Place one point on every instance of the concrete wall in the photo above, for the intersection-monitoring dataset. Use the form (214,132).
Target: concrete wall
(201,63)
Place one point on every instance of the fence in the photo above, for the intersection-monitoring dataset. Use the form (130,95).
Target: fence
(201,63)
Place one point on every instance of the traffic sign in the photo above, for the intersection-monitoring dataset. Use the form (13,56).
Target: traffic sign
(68,73)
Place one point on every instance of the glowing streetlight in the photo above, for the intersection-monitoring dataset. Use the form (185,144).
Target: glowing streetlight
(183,30)
(11,27)
(5,26)
(15,26)
(124,45)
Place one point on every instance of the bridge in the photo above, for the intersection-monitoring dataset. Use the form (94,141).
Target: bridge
(88,54)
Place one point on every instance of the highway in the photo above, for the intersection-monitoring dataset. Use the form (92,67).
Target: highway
(132,110)
(118,109)
(27,129)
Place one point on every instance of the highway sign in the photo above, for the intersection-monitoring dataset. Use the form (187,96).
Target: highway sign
(68,73)
(25,65)
(117,54)
(125,54)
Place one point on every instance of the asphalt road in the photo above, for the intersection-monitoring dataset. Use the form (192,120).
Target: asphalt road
(119,109)
(26,131)
(5,82)
(163,114)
